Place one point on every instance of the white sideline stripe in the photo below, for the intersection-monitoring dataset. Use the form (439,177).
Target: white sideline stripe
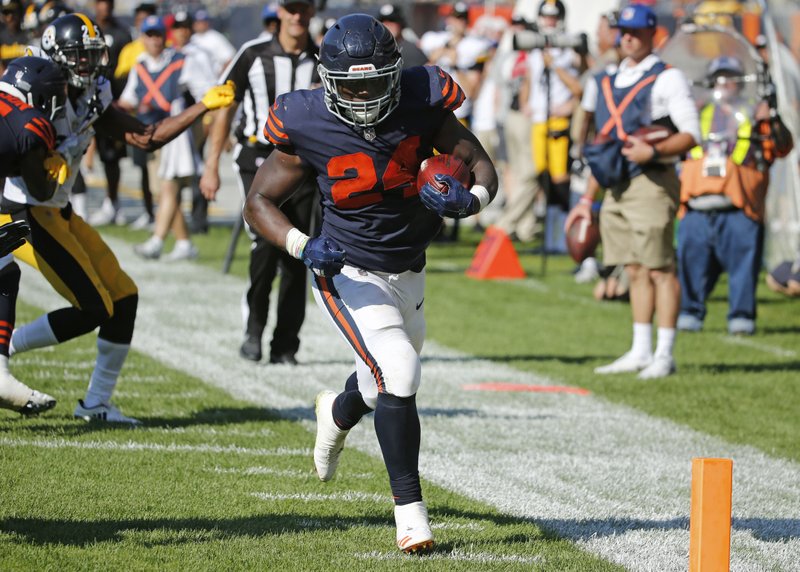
(349,496)
(613,479)
(455,555)
(760,346)
(249,471)
(133,446)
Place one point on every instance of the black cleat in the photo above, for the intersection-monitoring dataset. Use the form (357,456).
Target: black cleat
(251,349)
(287,358)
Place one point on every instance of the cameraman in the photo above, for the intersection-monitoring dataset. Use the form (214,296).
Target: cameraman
(551,91)
(723,189)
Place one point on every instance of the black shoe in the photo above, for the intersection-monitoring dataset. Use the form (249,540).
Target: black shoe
(287,358)
(251,349)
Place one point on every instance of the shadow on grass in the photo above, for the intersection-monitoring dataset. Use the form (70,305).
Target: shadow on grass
(85,533)
(748,367)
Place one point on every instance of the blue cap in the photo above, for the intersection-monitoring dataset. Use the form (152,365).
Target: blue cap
(202,15)
(636,16)
(269,13)
(153,24)
(725,64)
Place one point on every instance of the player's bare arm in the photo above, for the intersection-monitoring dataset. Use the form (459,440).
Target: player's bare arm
(276,181)
(455,139)
(120,125)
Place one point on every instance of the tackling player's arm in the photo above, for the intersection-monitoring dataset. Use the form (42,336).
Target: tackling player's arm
(116,123)
(32,170)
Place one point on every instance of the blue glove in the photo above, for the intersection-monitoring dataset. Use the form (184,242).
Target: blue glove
(457,202)
(323,256)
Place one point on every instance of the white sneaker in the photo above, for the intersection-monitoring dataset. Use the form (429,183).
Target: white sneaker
(38,403)
(662,366)
(120,219)
(413,528)
(104,215)
(330,439)
(183,250)
(103,412)
(149,249)
(627,363)
(588,272)
(142,222)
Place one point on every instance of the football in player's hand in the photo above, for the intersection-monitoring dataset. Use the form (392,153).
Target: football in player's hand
(443,165)
(582,239)
(652,134)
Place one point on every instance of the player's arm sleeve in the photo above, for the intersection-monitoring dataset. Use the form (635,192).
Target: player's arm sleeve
(445,92)
(37,139)
(274,129)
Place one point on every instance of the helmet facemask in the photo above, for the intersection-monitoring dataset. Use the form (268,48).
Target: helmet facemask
(363,96)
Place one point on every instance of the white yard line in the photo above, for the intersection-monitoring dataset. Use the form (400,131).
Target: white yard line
(760,346)
(613,479)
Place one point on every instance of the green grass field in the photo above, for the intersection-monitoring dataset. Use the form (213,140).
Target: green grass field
(213,483)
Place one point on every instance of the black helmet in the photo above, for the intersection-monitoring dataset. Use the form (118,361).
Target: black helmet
(360,65)
(76,43)
(38,82)
(50,11)
(552,8)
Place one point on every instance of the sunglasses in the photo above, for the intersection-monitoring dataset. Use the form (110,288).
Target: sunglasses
(154,34)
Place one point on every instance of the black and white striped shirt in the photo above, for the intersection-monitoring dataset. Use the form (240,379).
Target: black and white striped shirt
(262,70)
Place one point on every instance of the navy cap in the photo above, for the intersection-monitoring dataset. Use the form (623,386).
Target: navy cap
(153,24)
(182,19)
(636,16)
(269,12)
(202,15)
(288,2)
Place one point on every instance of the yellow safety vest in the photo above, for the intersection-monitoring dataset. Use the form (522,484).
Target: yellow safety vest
(743,134)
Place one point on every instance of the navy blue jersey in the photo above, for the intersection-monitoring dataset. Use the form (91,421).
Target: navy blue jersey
(22,129)
(370,202)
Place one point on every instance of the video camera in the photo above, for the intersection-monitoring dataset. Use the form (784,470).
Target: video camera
(533,39)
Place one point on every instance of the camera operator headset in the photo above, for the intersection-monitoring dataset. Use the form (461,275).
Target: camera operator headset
(552,90)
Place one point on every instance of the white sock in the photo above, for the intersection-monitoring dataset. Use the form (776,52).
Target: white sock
(183,244)
(79,205)
(642,339)
(110,359)
(665,342)
(13,393)
(37,334)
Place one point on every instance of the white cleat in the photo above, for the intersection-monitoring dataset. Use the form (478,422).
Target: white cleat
(142,222)
(626,364)
(182,251)
(38,403)
(103,412)
(105,215)
(414,534)
(149,249)
(330,439)
(662,366)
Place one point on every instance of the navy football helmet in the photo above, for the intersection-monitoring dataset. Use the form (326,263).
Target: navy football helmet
(360,65)
(38,82)
(76,43)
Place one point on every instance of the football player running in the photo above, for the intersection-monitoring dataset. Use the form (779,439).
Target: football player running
(363,135)
(69,253)
(32,90)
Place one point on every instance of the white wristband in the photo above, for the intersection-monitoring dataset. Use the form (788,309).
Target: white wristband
(482,194)
(296,242)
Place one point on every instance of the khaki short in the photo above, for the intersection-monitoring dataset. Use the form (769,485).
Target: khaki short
(637,224)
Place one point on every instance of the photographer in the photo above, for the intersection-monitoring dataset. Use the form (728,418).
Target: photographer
(551,91)
(723,189)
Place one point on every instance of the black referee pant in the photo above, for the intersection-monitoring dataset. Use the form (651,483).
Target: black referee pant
(265,259)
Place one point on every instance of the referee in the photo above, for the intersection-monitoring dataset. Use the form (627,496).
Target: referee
(262,70)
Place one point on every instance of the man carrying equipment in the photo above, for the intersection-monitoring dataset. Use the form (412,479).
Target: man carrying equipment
(363,136)
(69,253)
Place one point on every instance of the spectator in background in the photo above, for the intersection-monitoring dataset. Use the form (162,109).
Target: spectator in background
(13,38)
(110,149)
(636,219)
(391,16)
(271,22)
(723,193)
(216,44)
(785,278)
(155,90)
(127,59)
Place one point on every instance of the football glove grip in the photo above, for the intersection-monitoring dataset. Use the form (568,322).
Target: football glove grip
(323,256)
(457,202)
(12,236)
(219,96)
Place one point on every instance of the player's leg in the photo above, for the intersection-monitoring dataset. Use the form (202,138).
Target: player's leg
(14,394)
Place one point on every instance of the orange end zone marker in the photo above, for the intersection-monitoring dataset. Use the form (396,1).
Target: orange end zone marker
(710,524)
(495,258)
